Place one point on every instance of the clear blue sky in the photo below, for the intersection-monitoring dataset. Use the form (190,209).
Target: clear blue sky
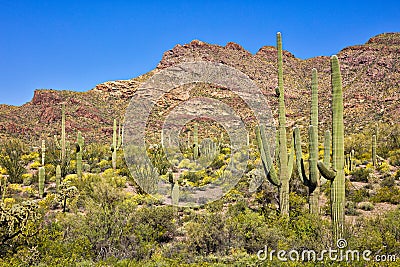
(75,45)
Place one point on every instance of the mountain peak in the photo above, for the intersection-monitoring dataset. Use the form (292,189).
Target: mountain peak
(390,38)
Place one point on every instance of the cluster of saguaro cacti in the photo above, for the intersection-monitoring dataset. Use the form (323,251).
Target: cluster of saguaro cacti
(116,143)
(79,150)
(336,173)
(284,160)
(208,150)
(312,180)
(42,175)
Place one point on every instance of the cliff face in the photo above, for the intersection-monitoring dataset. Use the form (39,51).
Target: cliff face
(370,72)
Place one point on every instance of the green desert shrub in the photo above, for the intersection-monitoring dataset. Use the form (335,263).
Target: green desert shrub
(366,206)
(388,195)
(360,175)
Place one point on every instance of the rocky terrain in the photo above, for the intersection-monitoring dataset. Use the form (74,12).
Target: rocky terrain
(370,72)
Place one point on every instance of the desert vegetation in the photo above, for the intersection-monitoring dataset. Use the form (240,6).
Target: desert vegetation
(67,202)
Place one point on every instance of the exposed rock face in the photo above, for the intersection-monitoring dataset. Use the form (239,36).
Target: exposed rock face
(370,72)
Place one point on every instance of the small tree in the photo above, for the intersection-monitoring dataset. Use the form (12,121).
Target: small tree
(11,159)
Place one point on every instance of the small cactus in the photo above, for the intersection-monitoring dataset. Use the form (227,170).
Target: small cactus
(116,143)
(373,150)
(58,177)
(175,193)
(43,151)
(79,151)
(3,186)
(196,150)
(41,181)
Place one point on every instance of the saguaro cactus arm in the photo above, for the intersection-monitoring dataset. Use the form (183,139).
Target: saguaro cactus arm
(266,159)
(327,173)
(299,157)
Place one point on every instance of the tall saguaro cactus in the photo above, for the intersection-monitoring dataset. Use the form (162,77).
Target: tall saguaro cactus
(116,143)
(43,151)
(62,144)
(312,181)
(41,181)
(336,173)
(284,160)
(58,177)
(196,149)
(79,151)
(373,152)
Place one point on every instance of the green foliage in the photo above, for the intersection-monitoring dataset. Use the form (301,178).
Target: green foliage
(361,175)
(358,195)
(387,194)
(15,221)
(159,159)
(11,159)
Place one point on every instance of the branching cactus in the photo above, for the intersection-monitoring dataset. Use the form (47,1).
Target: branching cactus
(79,151)
(43,151)
(284,161)
(271,172)
(58,177)
(116,143)
(62,145)
(336,173)
(41,181)
(312,181)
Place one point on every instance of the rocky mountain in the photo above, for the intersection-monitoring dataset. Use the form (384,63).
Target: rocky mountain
(370,72)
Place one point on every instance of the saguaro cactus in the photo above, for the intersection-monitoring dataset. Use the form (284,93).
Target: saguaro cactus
(41,181)
(43,151)
(3,186)
(284,161)
(336,173)
(116,143)
(373,150)
(175,193)
(79,150)
(196,151)
(58,177)
(312,181)
(62,144)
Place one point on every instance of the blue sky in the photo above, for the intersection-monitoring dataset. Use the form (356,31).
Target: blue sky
(75,45)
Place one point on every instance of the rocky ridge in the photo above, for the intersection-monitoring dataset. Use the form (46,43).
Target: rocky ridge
(370,72)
